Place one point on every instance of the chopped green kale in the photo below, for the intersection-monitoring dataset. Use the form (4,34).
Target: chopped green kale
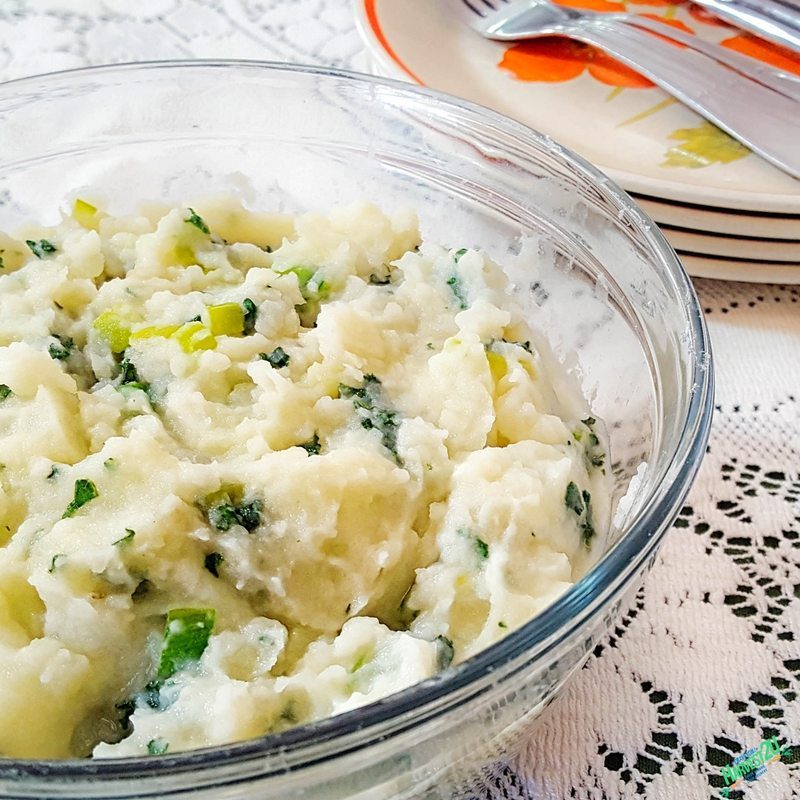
(446,652)
(151,695)
(186,637)
(277,358)
(572,498)
(55,561)
(41,248)
(62,350)
(126,539)
(212,562)
(458,254)
(129,377)
(250,315)
(195,219)
(454,282)
(5,391)
(157,747)
(481,548)
(312,445)
(587,527)
(85,491)
(222,517)
(524,345)
(249,515)
(580,503)
(369,405)
(54,473)
(128,373)
(595,456)
(225,515)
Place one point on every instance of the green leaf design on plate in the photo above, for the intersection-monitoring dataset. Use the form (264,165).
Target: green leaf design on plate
(702,146)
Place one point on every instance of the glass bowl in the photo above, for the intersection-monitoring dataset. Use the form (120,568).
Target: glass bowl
(593,271)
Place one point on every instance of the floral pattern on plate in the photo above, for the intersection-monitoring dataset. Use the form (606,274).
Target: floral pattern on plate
(587,100)
(556,58)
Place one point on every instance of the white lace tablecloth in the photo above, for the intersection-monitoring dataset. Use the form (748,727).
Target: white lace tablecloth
(707,662)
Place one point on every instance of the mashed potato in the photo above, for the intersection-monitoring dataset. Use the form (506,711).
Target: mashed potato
(256,470)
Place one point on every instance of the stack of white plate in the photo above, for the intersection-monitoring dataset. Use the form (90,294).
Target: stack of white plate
(728,213)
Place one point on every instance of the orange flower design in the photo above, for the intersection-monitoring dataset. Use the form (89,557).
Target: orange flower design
(555,58)
(594,5)
(750,45)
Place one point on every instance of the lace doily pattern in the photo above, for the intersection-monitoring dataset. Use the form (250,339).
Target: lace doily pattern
(706,663)
(45,35)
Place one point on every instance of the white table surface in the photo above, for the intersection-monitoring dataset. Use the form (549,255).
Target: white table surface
(707,662)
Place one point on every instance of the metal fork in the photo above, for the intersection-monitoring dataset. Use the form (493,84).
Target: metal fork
(778,20)
(733,96)
(784,82)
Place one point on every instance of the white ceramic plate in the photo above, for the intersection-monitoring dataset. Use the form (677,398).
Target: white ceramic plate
(638,135)
(735,270)
(720,220)
(738,247)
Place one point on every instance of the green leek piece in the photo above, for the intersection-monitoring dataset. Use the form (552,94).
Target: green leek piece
(184,255)
(304,275)
(194,336)
(154,331)
(111,329)
(85,214)
(226,319)
(498,366)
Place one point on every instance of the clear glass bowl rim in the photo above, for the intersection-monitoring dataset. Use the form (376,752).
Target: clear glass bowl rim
(623,560)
